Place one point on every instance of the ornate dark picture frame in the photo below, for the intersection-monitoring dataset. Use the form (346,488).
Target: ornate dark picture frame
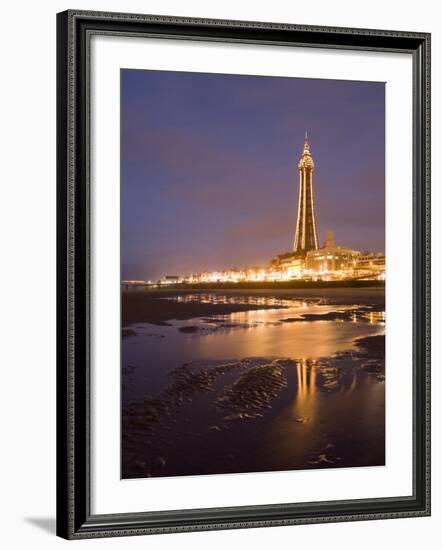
(74,31)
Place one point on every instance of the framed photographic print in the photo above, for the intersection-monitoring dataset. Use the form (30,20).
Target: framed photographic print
(243,274)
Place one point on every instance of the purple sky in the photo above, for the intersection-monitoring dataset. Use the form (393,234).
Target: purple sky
(209,176)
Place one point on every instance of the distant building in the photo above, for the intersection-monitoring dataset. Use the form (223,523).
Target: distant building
(331,259)
(287,266)
(369,266)
(170,280)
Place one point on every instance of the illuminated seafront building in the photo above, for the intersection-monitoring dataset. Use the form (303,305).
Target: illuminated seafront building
(331,258)
(306,261)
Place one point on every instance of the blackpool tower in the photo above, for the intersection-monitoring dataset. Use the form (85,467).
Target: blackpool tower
(306,237)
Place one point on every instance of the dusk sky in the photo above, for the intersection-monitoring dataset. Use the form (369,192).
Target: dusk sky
(209,176)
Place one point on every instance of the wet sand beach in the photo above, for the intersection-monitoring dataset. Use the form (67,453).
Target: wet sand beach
(157,306)
(255,380)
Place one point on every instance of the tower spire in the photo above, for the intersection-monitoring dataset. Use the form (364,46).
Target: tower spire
(306,145)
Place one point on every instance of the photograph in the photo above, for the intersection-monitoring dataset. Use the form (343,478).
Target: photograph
(253,271)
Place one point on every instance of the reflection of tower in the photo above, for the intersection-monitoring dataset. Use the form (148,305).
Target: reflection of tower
(306,377)
(306,236)
(305,400)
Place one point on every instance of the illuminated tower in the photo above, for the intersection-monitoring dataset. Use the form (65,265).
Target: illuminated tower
(306,237)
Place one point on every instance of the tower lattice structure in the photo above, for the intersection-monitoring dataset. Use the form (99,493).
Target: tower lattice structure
(306,237)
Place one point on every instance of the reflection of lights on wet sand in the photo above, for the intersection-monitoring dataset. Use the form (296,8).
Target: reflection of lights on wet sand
(306,376)
(306,392)
(353,383)
(277,338)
